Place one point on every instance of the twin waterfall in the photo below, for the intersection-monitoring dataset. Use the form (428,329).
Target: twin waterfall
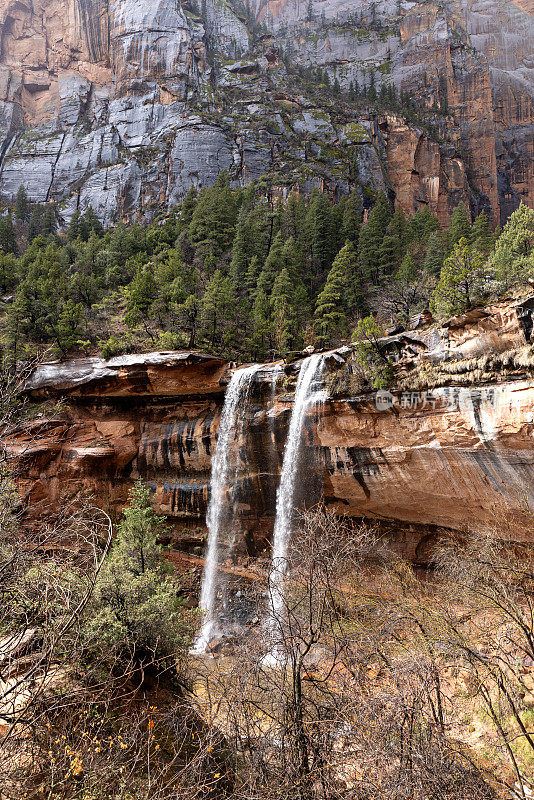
(224,468)
(305,395)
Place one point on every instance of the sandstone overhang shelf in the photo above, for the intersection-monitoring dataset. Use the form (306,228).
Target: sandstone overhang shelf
(165,373)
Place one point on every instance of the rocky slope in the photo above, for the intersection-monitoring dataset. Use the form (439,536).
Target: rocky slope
(453,450)
(124,106)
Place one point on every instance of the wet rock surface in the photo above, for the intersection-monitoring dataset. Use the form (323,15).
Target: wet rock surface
(457,456)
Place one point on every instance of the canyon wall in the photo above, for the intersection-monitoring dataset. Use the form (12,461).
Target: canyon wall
(454,454)
(110,104)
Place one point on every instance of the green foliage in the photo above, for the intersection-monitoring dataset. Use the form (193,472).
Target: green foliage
(435,253)
(460,227)
(462,281)
(331,308)
(352,217)
(283,312)
(8,240)
(371,235)
(237,271)
(212,226)
(22,206)
(322,234)
(512,260)
(370,356)
(136,609)
(141,296)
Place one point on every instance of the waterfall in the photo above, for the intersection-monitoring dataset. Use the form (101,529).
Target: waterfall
(306,394)
(221,471)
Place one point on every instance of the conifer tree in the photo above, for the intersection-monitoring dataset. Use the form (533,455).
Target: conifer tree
(35,227)
(188,207)
(371,235)
(136,609)
(218,310)
(398,227)
(92,223)
(9,275)
(331,307)
(283,312)
(461,281)
(22,206)
(142,294)
(512,259)
(435,253)
(321,234)
(460,227)
(481,233)
(69,325)
(49,220)
(73,231)
(212,226)
(390,254)
(420,225)
(352,217)
(8,239)
(240,249)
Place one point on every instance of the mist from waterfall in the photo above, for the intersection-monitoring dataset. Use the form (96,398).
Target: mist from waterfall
(222,469)
(306,395)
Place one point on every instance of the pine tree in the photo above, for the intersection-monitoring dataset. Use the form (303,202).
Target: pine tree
(218,310)
(461,281)
(390,254)
(9,274)
(321,235)
(420,225)
(73,231)
(261,318)
(435,253)
(240,249)
(8,239)
(49,220)
(22,206)
(331,307)
(69,325)
(512,260)
(35,227)
(481,234)
(92,223)
(188,207)
(142,292)
(136,609)
(352,217)
(212,226)
(336,89)
(283,312)
(460,227)
(371,235)
(399,227)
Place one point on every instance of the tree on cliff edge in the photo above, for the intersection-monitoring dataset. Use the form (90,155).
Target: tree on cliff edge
(461,281)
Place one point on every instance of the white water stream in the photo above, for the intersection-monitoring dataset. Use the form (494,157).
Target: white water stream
(222,468)
(306,395)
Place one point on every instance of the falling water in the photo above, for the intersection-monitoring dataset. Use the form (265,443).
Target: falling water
(221,468)
(306,394)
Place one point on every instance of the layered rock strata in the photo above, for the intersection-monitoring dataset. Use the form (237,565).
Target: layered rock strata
(456,454)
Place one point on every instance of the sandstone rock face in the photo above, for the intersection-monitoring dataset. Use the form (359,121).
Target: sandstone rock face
(123,106)
(457,457)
